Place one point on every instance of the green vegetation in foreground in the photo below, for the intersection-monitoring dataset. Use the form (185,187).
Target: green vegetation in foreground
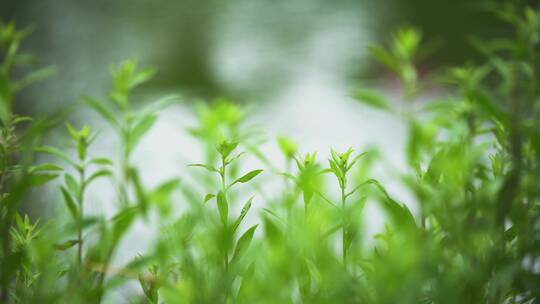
(473,166)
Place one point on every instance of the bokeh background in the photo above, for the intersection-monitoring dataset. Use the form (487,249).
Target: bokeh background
(292,64)
(247,50)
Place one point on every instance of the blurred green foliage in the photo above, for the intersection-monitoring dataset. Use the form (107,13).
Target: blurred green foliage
(473,166)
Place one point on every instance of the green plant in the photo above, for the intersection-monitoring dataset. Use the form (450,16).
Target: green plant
(225,149)
(17,175)
(340,165)
(73,192)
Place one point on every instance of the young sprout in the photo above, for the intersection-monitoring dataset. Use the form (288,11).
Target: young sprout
(340,164)
(130,125)
(308,179)
(73,191)
(225,150)
(289,149)
(24,231)
(400,56)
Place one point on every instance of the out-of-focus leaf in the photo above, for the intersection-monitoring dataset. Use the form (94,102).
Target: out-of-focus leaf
(140,129)
(33,77)
(38,179)
(247,177)
(46,168)
(98,174)
(372,99)
(66,245)
(102,110)
(101,161)
(209,168)
(243,243)
(223,207)
(55,152)
(72,184)
(122,221)
(70,203)
(208,197)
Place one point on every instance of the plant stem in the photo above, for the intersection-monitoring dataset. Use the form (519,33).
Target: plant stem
(224,190)
(124,168)
(223,174)
(343,232)
(80,200)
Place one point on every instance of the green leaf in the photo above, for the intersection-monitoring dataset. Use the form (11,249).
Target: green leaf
(41,178)
(287,146)
(122,221)
(140,192)
(243,214)
(139,130)
(55,152)
(208,197)
(160,104)
(101,161)
(167,187)
(223,207)
(234,158)
(247,177)
(98,174)
(371,98)
(89,221)
(45,168)
(207,167)
(384,57)
(243,243)
(74,134)
(72,183)
(400,214)
(141,77)
(226,147)
(70,203)
(102,110)
(33,77)
(66,245)
(161,195)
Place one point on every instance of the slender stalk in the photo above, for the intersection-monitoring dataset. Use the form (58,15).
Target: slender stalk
(343,232)
(80,200)
(123,197)
(124,168)
(223,175)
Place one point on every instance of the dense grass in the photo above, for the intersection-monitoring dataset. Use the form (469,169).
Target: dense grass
(473,167)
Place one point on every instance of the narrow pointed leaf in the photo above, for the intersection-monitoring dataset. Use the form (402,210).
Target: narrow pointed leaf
(247,177)
(41,178)
(66,245)
(243,243)
(209,168)
(98,174)
(140,129)
(55,152)
(70,203)
(371,98)
(105,112)
(243,214)
(208,197)
(223,207)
